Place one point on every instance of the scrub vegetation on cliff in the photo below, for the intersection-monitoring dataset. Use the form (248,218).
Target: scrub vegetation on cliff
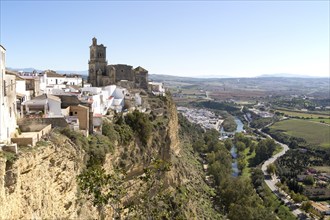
(154,172)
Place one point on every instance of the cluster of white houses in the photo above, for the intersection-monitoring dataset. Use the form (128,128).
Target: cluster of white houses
(32,103)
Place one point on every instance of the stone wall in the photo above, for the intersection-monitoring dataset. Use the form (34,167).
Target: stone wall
(124,72)
(29,124)
(31,138)
(82,112)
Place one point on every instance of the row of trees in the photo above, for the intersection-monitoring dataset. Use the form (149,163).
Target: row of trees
(270,201)
(264,150)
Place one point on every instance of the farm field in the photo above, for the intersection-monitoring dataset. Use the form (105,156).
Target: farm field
(327,120)
(304,114)
(313,133)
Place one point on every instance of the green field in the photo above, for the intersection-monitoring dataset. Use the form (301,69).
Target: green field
(327,120)
(313,133)
(313,117)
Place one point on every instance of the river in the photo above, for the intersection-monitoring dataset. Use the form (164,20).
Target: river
(233,150)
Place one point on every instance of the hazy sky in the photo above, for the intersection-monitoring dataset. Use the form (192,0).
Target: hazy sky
(187,38)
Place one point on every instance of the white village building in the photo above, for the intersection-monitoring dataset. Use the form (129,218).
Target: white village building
(7,101)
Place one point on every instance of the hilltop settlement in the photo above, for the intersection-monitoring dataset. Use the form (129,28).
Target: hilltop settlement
(32,103)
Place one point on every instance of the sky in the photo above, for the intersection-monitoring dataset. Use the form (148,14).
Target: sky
(183,38)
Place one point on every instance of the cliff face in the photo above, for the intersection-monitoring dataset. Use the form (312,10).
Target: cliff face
(173,128)
(41,183)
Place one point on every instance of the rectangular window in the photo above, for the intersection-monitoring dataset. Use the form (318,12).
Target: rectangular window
(9,111)
(4,88)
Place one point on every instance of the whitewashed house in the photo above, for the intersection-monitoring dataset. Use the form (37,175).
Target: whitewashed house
(45,105)
(50,80)
(7,101)
(104,98)
(157,88)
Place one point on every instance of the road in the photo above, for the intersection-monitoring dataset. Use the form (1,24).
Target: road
(271,183)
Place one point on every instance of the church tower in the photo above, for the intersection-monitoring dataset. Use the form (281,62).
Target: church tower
(97,64)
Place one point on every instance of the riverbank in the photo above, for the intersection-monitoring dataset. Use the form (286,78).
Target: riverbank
(233,150)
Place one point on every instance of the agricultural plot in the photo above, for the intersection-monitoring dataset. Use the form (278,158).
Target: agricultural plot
(324,118)
(315,134)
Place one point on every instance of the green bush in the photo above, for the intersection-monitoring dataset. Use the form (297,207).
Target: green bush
(140,124)
(77,137)
(109,130)
(125,133)
(99,146)
(229,124)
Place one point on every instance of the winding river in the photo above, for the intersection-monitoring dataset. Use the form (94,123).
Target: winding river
(233,150)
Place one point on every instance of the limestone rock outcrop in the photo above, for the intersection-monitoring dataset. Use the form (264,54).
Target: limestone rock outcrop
(41,183)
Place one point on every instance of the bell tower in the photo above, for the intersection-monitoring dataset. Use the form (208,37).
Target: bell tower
(97,64)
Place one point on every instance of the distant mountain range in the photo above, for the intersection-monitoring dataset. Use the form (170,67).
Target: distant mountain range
(288,75)
(161,76)
(31,69)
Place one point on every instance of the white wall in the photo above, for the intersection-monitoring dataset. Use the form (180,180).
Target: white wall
(21,88)
(111,89)
(119,93)
(73,80)
(94,90)
(49,81)
(2,73)
(138,99)
(54,108)
(8,112)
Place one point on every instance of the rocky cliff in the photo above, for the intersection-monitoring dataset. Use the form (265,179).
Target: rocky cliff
(41,182)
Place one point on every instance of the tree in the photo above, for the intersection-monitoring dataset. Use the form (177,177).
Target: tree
(293,143)
(199,145)
(152,200)
(240,146)
(240,201)
(140,124)
(252,148)
(271,169)
(257,177)
(241,163)
(103,189)
(309,180)
(211,157)
(264,150)
(228,144)
(306,206)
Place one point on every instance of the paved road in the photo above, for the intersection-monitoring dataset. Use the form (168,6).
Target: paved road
(271,183)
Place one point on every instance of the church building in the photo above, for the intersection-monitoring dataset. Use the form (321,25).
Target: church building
(101,74)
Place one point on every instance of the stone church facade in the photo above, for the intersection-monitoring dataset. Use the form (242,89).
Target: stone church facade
(101,74)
